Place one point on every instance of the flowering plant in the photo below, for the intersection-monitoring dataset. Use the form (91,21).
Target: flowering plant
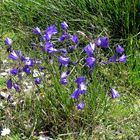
(64,54)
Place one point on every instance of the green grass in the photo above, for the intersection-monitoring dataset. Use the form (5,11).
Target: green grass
(55,112)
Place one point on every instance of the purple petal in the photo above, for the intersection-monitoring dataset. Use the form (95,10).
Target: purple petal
(63,37)
(64,25)
(90,61)
(49,48)
(75,94)
(37,31)
(8,41)
(16,87)
(114,93)
(29,62)
(9,84)
(113,59)
(64,60)
(37,80)
(64,74)
(13,55)
(81,105)
(63,81)
(82,88)
(14,71)
(26,69)
(50,31)
(119,49)
(63,51)
(123,58)
(75,39)
(89,48)
(103,42)
(80,80)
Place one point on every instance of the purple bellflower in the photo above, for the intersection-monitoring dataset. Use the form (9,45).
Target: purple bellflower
(90,48)
(37,81)
(16,87)
(63,51)
(81,105)
(26,69)
(63,81)
(90,61)
(75,39)
(82,88)
(80,80)
(64,76)
(64,60)
(63,37)
(8,41)
(123,58)
(114,93)
(64,25)
(113,59)
(14,71)
(75,94)
(29,62)
(13,56)
(9,84)
(49,48)
(37,31)
(119,49)
(103,42)
(50,31)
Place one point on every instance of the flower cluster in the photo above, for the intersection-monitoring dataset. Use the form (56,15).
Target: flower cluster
(52,51)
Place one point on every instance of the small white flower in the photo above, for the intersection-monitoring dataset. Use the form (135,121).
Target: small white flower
(5,131)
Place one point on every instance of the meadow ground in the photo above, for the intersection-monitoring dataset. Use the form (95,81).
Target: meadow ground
(52,112)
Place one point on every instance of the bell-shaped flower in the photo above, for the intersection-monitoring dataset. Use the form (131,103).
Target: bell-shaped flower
(37,31)
(29,62)
(63,37)
(38,62)
(81,105)
(119,49)
(80,80)
(13,55)
(103,42)
(37,80)
(49,48)
(63,81)
(16,87)
(14,71)
(71,48)
(90,48)
(64,74)
(113,59)
(9,84)
(90,61)
(64,25)
(74,39)
(114,93)
(123,58)
(75,94)
(63,51)
(82,88)
(64,60)
(8,41)
(50,31)
(26,69)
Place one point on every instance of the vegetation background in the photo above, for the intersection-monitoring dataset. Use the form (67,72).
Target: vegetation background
(103,118)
